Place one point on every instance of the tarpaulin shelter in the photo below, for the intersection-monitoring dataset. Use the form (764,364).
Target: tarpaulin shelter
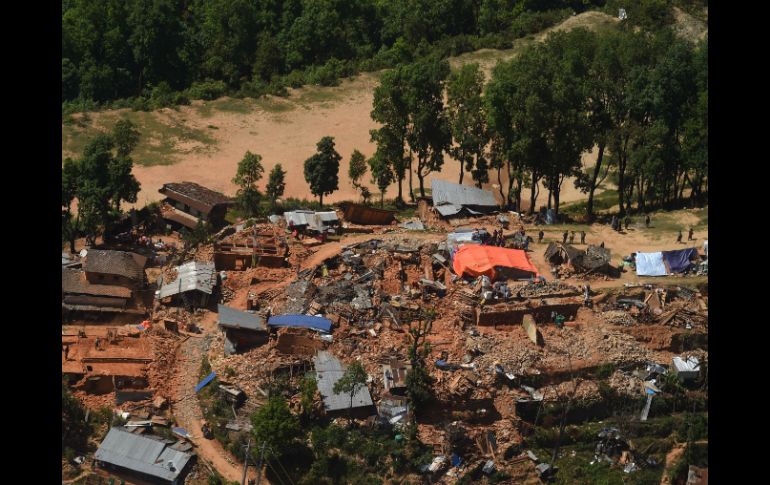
(301,321)
(650,264)
(678,260)
(492,261)
(662,263)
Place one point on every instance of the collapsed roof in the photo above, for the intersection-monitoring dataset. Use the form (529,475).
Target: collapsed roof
(450,199)
(313,220)
(232,318)
(591,259)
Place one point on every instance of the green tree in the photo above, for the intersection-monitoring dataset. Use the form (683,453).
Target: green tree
(276,183)
(356,171)
(249,172)
(69,188)
(275,425)
(428,134)
(322,169)
(419,382)
(126,136)
(467,119)
(390,109)
(198,235)
(74,428)
(352,381)
(382,174)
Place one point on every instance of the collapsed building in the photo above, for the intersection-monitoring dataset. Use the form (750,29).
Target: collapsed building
(102,364)
(593,259)
(242,330)
(241,251)
(187,203)
(311,221)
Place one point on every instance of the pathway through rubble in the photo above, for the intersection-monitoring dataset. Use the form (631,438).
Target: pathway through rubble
(188,413)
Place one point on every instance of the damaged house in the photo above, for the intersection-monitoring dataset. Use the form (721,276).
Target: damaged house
(193,285)
(186,203)
(242,330)
(328,371)
(108,282)
(456,200)
(592,259)
(151,458)
(102,364)
(250,249)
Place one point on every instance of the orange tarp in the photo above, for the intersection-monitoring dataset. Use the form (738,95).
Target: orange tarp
(476,260)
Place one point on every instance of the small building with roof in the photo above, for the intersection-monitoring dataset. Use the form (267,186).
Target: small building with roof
(328,371)
(194,284)
(147,457)
(122,268)
(186,203)
(242,330)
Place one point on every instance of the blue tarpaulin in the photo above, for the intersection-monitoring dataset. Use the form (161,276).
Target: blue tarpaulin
(302,321)
(678,260)
(205,381)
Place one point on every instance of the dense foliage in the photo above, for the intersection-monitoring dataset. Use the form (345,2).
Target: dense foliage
(157,53)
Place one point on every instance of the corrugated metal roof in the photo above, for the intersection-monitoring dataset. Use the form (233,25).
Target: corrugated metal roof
(191,276)
(314,220)
(141,453)
(302,321)
(328,371)
(447,210)
(444,192)
(232,318)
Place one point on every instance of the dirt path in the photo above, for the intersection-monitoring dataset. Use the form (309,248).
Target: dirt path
(188,412)
(671,458)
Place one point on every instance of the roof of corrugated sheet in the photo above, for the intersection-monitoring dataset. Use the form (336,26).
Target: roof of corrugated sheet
(313,220)
(302,321)
(74,281)
(328,371)
(232,318)
(141,453)
(444,192)
(121,263)
(191,276)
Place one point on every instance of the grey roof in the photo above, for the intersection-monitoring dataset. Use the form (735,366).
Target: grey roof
(328,371)
(74,281)
(142,454)
(130,265)
(314,220)
(232,318)
(444,192)
(191,276)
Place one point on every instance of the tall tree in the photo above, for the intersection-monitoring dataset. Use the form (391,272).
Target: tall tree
(249,172)
(322,169)
(391,110)
(352,381)
(418,380)
(276,184)
(274,425)
(428,135)
(382,174)
(467,119)
(356,171)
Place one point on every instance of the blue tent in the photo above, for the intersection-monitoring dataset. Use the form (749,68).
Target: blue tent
(678,260)
(205,381)
(300,321)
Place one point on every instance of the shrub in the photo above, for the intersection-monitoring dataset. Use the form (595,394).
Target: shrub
(207,90)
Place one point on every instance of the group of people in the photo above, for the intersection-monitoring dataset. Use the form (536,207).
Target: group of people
(497,239)
(571,237)
(689,235)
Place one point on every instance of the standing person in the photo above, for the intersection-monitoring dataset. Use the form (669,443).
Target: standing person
(587,295)
(689,234)
(540,236)
(564,237)
(647,220)
(572,237)
(601,245)
(526,244)
(582,237)
(679,237)
(706,248)
(627,222)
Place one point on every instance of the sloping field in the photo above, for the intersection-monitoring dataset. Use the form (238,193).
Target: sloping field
(203,142)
